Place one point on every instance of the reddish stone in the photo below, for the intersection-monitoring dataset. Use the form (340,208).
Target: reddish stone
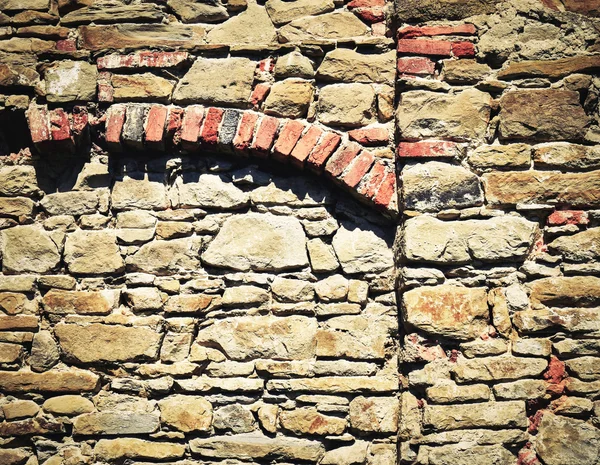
(190,127)
(365,3)
(60,128)
(265,135)
(370,136)
(419,66)
(526,456)
(564,217)
(556,375)
(305,145)
(376,177)
(142,60)
(463,49)
(535,420)
(370,15)
(379,29)
(267,65)
(245,131)
(173,132)
(105,88)
(115,120)
(259,94)
(210,130)
(288,137)
(415,31)
(386,191)
(79,125)
(427,149)
(155,127)
(66,45)
(425,47)
(342,159)
(359,168)
(324,149)
(37,118)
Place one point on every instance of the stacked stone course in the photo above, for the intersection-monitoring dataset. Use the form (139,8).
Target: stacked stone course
(316,231)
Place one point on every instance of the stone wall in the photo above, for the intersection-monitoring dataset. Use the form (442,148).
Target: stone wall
(312,231)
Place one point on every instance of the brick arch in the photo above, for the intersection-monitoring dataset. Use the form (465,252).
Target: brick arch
(244,133)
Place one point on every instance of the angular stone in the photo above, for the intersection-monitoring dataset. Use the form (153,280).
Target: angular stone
(523,389)
(70,203)
(258,242)
(71,380)
(20,409)
(133,448)
(235,418)
(28,249)
(322,256)
(93,252)
(248,338)
(145,87)
(113,423)
(192,12)
(10,353)
(430,240)
(467,454)
(480,347)
(580,247)
(244,295)
(585,368)
(560,155)
(134,193)
(504,367)
(257,446)
(207,191)
(465,71)
(81,302)
(427,10)
(186,413)
(292,192)
(575,347)
(70,81)
(99,343)
(292,290)
(252,28)
(462,116)
(44,352)
(350,105)
(32,426)
(435,186)
(328,26)
(231,385)
(375,414)
(18,180)
(144,298)
(535,187)
(188,303)
(166,257)
(533,347)
(336,384)
(332,288)
(289,98)
(448,393)
(18,323)
(567,441)
(568,319)
(363,248)
(16,206)
(547,114)
(282,12)
(501,156)
(355,454)
(117,13)
(14,456)
(484,415)
(294,64)
(580,291)
(447,311)
(345,65)
(549,68)
(68,405)
(308,420)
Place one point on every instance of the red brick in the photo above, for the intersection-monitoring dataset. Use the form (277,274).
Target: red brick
(265,135)
(415,31)
(245,132)
(425,47)
(419,66)
(463,49)
(427,149)
(80,121)
(105,88)
(370,15)
(370,136)
(155,127)
(342,159)
(287,139)
(142,60)
(115,120)
(387,191)
(376,177)
(259,94)
(305,145)
(66,45)
(268,65)
(39,123)
(190,126)
(60,128)
(564,217)
(359,168)
(324,149)
(210,130)
(174,121)
(365,3)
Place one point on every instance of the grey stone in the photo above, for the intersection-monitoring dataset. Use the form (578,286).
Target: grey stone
(28,249)
(234,418)
(207,191)
(349,105)
(93,252)
(363,248)
(44,352)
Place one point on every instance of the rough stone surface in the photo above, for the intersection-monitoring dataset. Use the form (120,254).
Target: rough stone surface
(28,249)
(350,105)
(186,413)
(69,81)
(361,249)
(93,252)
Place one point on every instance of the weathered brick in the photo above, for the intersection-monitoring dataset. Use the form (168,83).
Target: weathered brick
(324,149)
(375,179)
(60,127)
(416,31)
(209,134)
(133,129)
(174,121)
(428,149)
(144,59)
(463,49)
(287,139)
(245,131)
(563,217)
(154,128)
(305,145)
(38,120)
(370,14)
(106,92)
(418,66)
(370,136)
(265,135)
(341,159)
(80,123)
(358,169)
(425,47)
(259,94)
(115,119)
(190,126)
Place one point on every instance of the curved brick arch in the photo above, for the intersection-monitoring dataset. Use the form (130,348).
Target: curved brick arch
(242,132)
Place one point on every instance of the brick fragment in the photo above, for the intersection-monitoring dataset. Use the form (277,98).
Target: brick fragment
(370,14)
(463,49)
(358,169)
(60,127)
(265,135)
(428,149)
(133,129)
(564,217)
(365,3)
(155,127)
(305,145)
(245,131)
(39,123)
(386,195)
(115,119)
(370,136)
(146,59)
(190,127)
(259,94)
(66,45)
(321,153)
(80,124)
(228,128)
(209,135)
(418,66)
(174,121)
(288,137)
(341,159)
(425,47)
(430,31)
(375,178)
(105,88)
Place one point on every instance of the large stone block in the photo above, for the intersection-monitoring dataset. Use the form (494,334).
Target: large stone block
(93,252)
(345,65)
(248,338)
(375,414)
(447,311)
(484,415)
(307,420)
(252,27)
(428,10)
(427,239)
(349,105)
(60,302)
(133,448)
(326,27)
(282,12)
(207,191)
(186,413)
(133,193)
(165,257)
(580,247)
(18,180)
(363,248)
(65,380)
(28,249)
(578,291)
(258,242)
(289,98)
(115,423)
(501,368)
(68,81)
